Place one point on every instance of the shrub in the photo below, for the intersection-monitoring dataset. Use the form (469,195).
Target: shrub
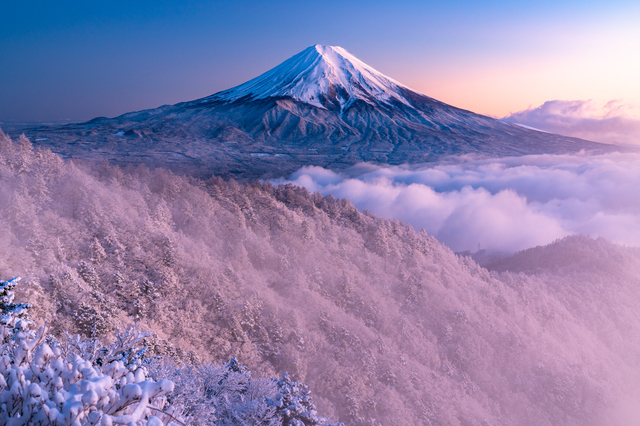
(77,382)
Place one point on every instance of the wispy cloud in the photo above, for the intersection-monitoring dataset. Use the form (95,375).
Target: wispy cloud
(502,204)
(613,122)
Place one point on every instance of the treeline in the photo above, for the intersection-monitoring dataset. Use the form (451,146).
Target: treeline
(385,324)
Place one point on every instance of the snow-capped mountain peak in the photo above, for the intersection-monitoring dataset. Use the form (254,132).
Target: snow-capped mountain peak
(323,76)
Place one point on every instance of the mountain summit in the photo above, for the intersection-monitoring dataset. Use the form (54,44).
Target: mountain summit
(320,107)
(324,76)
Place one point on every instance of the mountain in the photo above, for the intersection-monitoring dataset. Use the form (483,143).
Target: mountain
(322,106)
(326,77)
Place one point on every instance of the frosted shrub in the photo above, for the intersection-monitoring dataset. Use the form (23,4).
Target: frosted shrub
(218,394)
(78,382)
(227,395)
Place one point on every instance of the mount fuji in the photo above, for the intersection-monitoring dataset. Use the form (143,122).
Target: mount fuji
(321,107)
(327,77)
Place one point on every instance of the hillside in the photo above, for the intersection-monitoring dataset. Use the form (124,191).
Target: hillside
(385,324)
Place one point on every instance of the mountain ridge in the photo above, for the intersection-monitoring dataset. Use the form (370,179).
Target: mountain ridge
(320,107)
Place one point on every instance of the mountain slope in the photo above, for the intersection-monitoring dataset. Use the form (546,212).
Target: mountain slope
(386,325)
(323,106)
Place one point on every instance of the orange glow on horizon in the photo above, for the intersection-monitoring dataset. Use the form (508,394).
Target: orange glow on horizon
(598,68)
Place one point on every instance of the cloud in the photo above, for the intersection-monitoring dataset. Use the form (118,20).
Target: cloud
(505,205)
(613,122)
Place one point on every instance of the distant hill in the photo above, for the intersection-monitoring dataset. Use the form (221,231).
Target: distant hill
(322,106)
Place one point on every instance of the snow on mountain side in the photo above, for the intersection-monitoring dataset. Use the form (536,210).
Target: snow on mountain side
(321,107)
(322,76)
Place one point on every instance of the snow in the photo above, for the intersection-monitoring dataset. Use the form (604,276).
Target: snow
(523,126)
(54,385)
(318,72)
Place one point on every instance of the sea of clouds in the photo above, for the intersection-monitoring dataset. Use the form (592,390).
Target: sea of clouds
(612,122)
(502,205)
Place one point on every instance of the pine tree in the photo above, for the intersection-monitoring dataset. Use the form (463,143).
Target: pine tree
(293,403)
(11,311)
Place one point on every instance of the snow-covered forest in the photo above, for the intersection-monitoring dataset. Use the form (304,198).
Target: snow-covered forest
(78,381)
(384,324)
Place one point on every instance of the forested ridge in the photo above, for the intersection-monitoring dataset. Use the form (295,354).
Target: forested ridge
(384,324)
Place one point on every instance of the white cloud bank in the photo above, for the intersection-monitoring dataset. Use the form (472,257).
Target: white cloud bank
(506,204)
(613,122)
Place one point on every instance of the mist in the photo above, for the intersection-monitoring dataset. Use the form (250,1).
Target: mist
(503,205)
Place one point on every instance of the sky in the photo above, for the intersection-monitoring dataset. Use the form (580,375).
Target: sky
(76,60)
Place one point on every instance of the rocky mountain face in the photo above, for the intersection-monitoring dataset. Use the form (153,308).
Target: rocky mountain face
(322,106)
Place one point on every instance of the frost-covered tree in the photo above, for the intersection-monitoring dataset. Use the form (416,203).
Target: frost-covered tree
(74,383)
(227,395)
(293,402)
(12,313)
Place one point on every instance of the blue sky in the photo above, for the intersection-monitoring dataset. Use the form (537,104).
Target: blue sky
(78,60)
